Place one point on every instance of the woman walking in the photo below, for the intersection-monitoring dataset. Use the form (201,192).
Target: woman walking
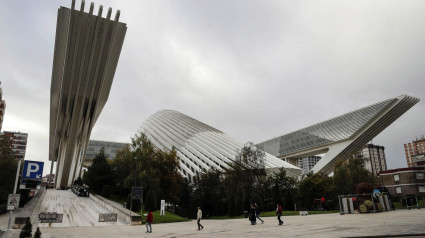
(252,216)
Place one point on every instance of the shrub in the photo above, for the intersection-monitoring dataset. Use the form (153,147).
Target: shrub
(363,208)
(363,188)
(106,191)
(271,206)
(368,204)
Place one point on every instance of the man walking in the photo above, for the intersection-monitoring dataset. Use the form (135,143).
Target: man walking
(149,220)
(279,213)
(257,213)
(199,217)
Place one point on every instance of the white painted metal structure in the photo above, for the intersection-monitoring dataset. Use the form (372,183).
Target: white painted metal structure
(87,50)
(341,136)
(199,147)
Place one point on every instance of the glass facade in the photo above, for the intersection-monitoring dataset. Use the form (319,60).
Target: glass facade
(111,148)
(327,132)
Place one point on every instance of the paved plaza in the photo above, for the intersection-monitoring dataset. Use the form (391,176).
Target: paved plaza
(396,224)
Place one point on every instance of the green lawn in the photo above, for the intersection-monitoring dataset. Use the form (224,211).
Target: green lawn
(168,217)
(273,213)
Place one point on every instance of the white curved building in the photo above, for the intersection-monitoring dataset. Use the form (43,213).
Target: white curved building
(199,147)
(339,137)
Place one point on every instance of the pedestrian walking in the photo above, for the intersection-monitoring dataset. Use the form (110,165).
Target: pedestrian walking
(149,220)
(279,213)
(252,217)
(257,213)
(199,217)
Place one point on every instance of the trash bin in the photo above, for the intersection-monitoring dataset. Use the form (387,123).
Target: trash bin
(245,214)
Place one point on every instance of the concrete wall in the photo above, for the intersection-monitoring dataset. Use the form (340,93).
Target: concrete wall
(122,213)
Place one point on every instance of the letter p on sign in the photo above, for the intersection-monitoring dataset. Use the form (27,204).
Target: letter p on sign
(32,167)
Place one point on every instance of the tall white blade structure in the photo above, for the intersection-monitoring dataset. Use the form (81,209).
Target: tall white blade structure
(87,49)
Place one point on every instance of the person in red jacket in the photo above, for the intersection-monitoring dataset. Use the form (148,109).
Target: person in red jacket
(279,213)
(149,220)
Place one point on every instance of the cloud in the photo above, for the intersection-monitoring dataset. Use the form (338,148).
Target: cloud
(254,70)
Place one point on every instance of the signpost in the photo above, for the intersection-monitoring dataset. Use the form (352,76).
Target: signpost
(162,211)
(136,194)
(12,204)
(32,170)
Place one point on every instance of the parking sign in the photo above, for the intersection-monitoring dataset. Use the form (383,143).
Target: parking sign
(32,169)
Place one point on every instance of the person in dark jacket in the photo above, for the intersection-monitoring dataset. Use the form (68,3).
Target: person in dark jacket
(257,213)
(149,220)
(279,213)
(252,217)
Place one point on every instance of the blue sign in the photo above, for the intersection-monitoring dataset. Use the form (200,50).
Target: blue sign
(32,169)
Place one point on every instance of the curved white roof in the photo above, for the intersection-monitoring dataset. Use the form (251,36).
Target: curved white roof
(199,147)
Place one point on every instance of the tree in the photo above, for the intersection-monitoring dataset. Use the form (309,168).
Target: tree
(350,173)
(362,188)
(151,200)
(122,165)
(244,178)
(156,170)
(99,173)
(208,193)
(281,188)
(8,166)
(314,186)
(26,230)
(143,165)
(184,194)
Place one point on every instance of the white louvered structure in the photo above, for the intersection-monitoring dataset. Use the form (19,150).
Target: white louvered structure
(199,147)
(87,49)
(341,136)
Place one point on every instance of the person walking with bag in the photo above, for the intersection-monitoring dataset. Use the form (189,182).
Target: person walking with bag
(199,217)
(279,213)
(257,213)
(149,220)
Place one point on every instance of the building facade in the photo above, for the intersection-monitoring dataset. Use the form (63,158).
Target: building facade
(375,158)
(17,142)
(307,164)
(200,147)
(48,180)
(404,181)
(415,153)
(339,137)
(94,147)
(2,107)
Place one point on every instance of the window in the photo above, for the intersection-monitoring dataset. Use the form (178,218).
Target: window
(422,189)
(396,177)
(420,176)
(398,189)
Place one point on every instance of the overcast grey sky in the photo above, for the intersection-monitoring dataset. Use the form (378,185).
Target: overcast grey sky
(252,69)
